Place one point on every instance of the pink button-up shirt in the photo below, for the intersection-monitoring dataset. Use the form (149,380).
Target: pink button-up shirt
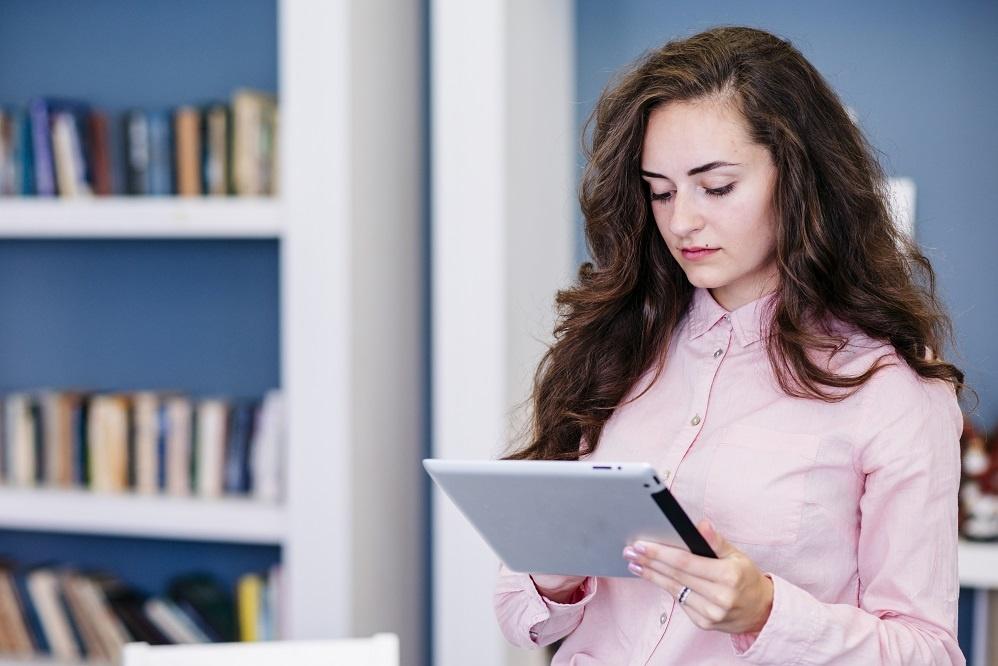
(850,507)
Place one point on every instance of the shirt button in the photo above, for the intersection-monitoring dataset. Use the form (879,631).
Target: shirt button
(718,353)
(695,420)
(666,474)
(663,618)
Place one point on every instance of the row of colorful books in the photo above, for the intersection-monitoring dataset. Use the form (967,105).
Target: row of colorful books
(147,442)
(67,148)
(64,614)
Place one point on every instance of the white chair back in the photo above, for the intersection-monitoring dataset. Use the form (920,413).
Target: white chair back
(378,650)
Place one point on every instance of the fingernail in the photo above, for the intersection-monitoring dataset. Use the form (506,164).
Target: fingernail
(640,547)
(630,554)
(635,568)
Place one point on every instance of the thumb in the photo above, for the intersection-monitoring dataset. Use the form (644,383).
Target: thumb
(714,539)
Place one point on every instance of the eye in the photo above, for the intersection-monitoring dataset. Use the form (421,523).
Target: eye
(664,196)
(721,191)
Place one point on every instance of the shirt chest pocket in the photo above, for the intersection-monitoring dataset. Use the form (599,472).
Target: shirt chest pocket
(756,484)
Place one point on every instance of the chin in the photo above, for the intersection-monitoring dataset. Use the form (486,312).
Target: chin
(704,280)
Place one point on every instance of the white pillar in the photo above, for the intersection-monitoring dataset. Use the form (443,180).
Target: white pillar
(502,195)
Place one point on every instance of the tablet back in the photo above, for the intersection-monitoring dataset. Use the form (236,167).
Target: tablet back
(571,518)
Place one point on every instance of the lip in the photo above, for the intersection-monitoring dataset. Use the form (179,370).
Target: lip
(698,253)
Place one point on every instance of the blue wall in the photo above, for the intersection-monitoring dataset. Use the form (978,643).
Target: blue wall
(922,78)
(197,316)
(144,53)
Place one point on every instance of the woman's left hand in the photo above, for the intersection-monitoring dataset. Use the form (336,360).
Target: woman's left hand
(729,594)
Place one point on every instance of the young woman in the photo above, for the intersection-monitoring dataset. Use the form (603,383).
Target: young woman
(755,327)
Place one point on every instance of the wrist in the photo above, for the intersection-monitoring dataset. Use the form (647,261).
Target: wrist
(559,589)
(766,606)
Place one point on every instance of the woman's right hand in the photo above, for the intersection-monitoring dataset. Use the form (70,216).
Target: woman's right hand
(559,589)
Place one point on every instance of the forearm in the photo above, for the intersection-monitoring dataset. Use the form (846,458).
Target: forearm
(803,630)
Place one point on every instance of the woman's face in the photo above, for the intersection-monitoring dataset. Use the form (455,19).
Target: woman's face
(711,194)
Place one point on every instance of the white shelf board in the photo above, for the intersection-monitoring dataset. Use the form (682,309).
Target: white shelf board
(9,660)
(230,519)
(141,217)
(978,564)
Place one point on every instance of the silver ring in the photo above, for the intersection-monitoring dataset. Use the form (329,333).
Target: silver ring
(683,593)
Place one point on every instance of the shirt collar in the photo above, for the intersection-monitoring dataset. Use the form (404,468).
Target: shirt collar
(749,322)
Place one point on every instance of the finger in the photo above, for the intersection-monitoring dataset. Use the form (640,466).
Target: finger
(696,615)
(714,539)
(703,567)
(714,592)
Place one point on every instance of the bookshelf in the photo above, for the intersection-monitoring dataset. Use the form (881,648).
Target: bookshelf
(351,528)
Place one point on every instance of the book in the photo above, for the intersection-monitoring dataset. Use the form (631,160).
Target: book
(172,622)
(67,125)
(128,605)
(19,438)
(212,416)
(41,144)
(82,616)
(56,411)
(266,447)
(136,135)
(12,619)
(32,619)
(146,406)
(161,182)
(111,632)
(215,143)
(38,438)
(99,142)
(207,603)
(45,596)
(178,446)
(253,121)
(12,135)
(249,589)
(187,129)
(238,478)
(107,440)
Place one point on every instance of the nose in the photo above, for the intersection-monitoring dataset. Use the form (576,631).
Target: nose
(685,217)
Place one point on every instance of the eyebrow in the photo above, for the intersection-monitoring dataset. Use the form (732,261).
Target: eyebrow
(694,171)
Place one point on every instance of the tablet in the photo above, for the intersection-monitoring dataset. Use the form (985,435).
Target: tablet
(569,518)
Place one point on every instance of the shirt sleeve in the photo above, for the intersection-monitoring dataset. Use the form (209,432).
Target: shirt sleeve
(529,620)
(907,549)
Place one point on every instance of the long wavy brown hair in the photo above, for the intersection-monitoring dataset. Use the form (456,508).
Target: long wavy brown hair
(840,256)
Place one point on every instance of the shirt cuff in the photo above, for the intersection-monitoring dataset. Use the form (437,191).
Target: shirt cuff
(791,628)
(558,619)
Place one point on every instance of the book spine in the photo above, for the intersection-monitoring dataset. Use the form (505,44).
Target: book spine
(13,616)
(26,157)
(187,130)
(32,619)
(136,153)
(100,152)
(62,153)
(248,590)
(160,153)
(41,142)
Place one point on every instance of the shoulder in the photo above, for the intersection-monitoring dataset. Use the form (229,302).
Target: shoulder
(898,413)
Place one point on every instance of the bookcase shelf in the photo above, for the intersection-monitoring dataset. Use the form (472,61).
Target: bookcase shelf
(39,661)
(351,280)
(141,217)
(234,520)
(979,564)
